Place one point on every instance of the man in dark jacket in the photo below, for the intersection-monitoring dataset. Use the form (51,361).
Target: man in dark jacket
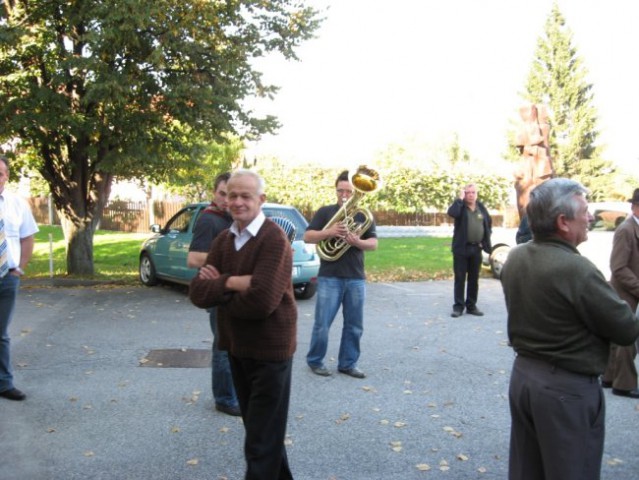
(562,317)
(473,227)
(213,220)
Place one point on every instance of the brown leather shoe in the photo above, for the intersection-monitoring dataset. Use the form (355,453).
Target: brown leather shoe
(13,394)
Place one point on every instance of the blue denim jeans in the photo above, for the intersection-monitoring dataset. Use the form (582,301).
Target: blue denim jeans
(221,379)
(8,293)
(333,292)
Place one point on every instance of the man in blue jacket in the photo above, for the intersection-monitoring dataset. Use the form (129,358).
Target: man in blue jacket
(473,227)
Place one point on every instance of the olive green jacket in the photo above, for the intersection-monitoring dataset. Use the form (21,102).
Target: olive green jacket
(561,309)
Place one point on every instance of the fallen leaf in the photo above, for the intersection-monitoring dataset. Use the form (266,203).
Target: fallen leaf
(462,457)
(193,461)
(424,467)
(482,470)
(89,453)
(343,418)
(384,422)
(50,430)
(396,446)
(399,424)
(224,429)
(175,429)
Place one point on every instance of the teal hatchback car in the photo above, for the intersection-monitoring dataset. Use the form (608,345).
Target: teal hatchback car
(163,256)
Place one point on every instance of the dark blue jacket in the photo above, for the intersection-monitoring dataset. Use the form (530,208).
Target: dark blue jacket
(459,212)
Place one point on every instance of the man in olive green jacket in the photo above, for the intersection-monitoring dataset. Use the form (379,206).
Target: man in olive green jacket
(562,317)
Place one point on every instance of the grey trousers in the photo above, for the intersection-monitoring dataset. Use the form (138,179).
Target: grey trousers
(558,423)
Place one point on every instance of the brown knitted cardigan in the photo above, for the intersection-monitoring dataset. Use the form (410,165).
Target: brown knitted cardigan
(261,322)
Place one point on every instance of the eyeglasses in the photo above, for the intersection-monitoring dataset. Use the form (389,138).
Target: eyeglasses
(342,191)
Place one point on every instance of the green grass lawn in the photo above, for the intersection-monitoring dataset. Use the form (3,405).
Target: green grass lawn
(115,254)
(410,259)
(116,257)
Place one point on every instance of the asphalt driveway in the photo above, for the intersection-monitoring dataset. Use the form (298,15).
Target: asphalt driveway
(434,404)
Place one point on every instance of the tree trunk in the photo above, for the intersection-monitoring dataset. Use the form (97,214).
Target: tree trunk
(79,238)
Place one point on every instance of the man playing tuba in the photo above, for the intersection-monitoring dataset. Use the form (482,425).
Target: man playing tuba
(341,280)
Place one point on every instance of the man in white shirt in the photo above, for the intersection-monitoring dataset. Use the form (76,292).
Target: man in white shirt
(17,228)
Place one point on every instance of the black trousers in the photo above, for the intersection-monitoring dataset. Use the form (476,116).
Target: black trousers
(558,423)
(466,268)
(263,391)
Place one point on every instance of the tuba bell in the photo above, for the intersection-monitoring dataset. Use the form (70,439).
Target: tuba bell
(364,180)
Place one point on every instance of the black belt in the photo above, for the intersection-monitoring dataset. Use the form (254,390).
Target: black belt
(474,244)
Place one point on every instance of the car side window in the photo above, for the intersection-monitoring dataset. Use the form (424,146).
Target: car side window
(180,223)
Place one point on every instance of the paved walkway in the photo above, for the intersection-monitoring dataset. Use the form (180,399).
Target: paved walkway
(434,404)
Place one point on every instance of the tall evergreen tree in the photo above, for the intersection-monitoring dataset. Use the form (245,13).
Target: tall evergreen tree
(557,78)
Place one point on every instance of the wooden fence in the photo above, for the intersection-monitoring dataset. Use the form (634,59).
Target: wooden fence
(134,216)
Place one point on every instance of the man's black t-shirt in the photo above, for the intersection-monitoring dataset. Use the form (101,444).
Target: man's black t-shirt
(351,264)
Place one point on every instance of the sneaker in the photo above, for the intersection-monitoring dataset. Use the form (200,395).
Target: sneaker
(353,372)
(322,371)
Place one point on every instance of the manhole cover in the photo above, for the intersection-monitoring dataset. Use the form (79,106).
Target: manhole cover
(177,358)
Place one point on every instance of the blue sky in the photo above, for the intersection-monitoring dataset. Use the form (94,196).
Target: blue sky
(386,71)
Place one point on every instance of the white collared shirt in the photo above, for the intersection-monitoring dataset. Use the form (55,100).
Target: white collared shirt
(249,232)
(18,223)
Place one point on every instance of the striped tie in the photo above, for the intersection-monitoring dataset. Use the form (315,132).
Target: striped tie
(4,260)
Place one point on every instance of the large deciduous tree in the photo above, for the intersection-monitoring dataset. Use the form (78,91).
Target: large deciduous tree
(557,78)
(95,89)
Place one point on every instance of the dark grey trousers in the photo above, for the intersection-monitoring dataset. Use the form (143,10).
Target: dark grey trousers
(558,423)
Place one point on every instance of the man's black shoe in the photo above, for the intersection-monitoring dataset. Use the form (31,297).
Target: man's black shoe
(605,384)
(456,313)
(233,411)
(353,372)
(475,311)
(626,393)
(13,394)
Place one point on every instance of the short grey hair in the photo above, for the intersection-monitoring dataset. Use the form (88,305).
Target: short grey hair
(243,172)
(552,198)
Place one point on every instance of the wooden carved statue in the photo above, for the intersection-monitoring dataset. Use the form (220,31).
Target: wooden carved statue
(535,166)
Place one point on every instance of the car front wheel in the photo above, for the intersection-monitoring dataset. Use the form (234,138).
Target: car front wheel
(498,259)
(305,291)
(147,271)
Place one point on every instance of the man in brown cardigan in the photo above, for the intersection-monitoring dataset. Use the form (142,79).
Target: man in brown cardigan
(247,276)
(621,372)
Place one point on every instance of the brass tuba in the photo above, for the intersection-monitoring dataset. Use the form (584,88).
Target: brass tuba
(364,180)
